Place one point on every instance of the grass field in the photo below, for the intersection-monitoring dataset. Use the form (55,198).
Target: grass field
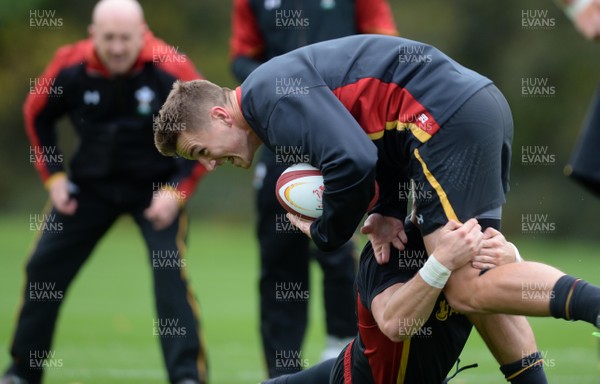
(105,335)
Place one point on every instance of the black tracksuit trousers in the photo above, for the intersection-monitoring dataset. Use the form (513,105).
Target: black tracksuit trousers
(64,247)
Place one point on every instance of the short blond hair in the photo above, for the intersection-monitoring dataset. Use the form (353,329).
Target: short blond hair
(187,108)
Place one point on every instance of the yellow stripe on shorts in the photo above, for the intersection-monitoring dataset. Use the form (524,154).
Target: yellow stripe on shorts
(448,210)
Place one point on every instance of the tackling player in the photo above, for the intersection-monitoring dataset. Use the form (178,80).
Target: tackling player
(422,344)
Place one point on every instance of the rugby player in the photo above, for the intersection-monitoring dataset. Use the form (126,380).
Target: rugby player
(383,108)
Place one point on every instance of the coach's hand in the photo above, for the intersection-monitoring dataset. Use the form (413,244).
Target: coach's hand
(60,197)
(384,232)
(162,211)
(301,224)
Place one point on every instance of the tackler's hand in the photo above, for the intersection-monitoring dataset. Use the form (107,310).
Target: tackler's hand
(494,251)
(384,232)
(458,243)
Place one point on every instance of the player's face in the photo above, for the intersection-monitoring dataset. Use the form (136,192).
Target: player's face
(118,42)
(217,145)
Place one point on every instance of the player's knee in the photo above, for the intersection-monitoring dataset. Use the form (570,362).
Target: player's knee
(462,297)
(458,302)
(462,290)
(464,303)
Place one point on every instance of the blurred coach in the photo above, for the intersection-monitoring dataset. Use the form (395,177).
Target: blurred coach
(109,85)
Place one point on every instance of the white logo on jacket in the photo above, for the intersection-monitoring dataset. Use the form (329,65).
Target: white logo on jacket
(327,4)
(91,97)
(272,4)
(144,96)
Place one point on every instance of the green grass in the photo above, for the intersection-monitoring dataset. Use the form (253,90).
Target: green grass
(104,334)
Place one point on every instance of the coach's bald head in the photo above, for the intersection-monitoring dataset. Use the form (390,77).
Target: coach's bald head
(117,31)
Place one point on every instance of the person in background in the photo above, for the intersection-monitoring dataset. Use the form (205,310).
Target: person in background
(584,165)
(261,30)
(110,86)
(585,15)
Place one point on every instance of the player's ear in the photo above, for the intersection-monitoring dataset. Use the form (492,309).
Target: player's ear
(221,113)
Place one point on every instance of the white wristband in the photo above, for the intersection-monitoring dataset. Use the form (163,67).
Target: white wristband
(576,6)
(518,257)
(434,273)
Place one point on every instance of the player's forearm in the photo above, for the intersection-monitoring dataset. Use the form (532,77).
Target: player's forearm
(342,212)
(408,309)
(350,187)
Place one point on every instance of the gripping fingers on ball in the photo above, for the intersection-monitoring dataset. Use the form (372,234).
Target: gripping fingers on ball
(303,225)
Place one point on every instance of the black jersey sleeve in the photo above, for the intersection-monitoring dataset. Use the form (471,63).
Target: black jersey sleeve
(317,124)
(374,278)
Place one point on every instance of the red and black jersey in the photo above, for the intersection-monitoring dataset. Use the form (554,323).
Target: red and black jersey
(263,29)
(356,108)
(112,115)
(429,355)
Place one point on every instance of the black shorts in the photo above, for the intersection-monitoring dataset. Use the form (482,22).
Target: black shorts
(463,170)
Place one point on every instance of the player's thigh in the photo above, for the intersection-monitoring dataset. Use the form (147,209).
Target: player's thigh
(462,288)
(462,171)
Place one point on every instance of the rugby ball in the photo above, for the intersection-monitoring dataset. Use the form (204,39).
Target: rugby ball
(300,189)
